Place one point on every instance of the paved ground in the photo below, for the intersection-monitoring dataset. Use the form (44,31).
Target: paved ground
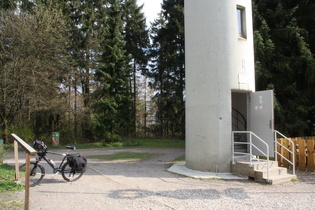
(148,185)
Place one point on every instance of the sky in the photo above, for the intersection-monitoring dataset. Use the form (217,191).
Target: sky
(151,8)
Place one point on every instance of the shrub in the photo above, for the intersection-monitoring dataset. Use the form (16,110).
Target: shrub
(26,133)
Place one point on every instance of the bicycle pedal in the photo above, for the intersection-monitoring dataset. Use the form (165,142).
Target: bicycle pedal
(52,176)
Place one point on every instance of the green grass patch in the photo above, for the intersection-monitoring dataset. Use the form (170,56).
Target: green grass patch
(123,156)
(136,142)
(8,148)
(159,143)
(126,143)
(7,176)
(179,159)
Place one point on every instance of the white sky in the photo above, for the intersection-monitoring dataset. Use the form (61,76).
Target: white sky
(151,9)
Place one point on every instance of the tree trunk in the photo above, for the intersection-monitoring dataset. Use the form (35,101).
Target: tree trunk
(145,107)
(134,99)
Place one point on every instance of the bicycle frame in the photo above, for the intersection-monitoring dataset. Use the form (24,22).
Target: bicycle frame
(54,167)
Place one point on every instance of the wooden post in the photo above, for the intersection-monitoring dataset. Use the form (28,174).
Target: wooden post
(297,152)
(302,155)
(280,150)
(27,181)
(286,154)
(310,154)
(29,152)
(16,155)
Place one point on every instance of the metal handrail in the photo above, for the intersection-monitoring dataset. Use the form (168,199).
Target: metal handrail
(290,151)
(251,150)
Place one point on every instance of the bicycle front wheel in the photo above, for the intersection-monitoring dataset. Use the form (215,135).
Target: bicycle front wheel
(37,173)
(69,174)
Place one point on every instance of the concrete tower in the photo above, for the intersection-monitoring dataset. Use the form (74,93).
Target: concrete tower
(219,74)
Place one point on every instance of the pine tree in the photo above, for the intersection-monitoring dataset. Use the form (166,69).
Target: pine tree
(137,42)
(84,19)
(281,49)
(7,4)
(168,72)
(112,109)
(306,20)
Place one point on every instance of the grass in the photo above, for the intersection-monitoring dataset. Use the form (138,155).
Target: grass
(123,156)
(160,143)
(136,142)
(9,201)
(7,176)
(126,143)
(179,159)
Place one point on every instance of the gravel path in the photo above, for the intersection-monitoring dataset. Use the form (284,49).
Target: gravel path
(148,185)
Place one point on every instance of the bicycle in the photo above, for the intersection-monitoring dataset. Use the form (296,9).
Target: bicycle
(66,168)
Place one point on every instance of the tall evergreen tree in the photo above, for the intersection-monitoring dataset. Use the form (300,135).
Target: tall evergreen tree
(285,63)
(85,21)
(168,72)
(7,4)
(23,5)
(306,20)
(112,109)
(136,36)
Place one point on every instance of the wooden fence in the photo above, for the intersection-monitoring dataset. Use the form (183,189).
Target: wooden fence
(304,153)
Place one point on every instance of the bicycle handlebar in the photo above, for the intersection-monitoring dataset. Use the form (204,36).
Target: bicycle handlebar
(44,152)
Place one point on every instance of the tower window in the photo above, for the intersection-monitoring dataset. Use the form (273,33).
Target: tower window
(241,21)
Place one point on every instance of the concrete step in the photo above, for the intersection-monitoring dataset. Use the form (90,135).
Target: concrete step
(280,179)
(258,171)
(273,172)
(262,164)
(243,168)
(255,164)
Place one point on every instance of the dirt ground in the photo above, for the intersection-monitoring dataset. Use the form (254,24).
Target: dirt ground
(147,184)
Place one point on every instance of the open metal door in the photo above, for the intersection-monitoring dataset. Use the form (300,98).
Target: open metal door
(261,120)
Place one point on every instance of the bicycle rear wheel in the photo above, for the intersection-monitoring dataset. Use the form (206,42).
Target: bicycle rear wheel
(69,174)
(37,173)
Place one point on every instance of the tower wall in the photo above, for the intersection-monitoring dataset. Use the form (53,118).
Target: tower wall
(218,61)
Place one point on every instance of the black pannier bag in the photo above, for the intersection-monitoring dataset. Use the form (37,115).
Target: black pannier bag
(77,162)
(39,145)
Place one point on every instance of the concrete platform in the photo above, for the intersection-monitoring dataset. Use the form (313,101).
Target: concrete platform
(180,168)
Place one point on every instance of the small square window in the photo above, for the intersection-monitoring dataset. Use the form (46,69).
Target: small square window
(241,21)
